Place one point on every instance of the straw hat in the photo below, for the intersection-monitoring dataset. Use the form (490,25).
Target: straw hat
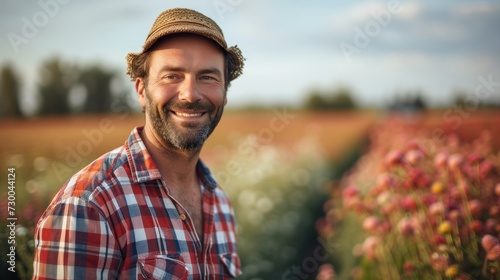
(181,20)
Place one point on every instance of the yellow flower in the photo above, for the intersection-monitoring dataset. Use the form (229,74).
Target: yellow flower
(451,271)
(444,227)
(437,188)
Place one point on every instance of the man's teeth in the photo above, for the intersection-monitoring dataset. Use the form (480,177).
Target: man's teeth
(188,115)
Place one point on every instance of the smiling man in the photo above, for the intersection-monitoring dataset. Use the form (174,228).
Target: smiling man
(151,209)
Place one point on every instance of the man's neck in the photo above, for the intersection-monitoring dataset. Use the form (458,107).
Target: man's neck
(177,167)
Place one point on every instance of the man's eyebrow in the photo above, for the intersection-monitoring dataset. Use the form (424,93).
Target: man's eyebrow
(168,68)
(210,71)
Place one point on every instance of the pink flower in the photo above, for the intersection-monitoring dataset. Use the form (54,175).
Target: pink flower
(493,253)
(385,227)
(389,208)
(413,179)
(370,247)
(326,272)
(408,203)
(474,158)
(439,240)
(429,199)
(439,261)
(477,226)
(491,225)
(436,209)
(488,241)
(455,161)
(394,157)
(406,227)
(485,168)
(413,157)
(384,181)
(441,159)
(409,267)
(495,211)
(475,208)
(371,224)
(350,192)
(497,189)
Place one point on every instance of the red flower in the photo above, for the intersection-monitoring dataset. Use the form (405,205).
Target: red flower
(408,203)
(393,158)
(474,158)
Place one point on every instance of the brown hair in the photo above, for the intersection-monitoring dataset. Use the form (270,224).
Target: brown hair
(233,64)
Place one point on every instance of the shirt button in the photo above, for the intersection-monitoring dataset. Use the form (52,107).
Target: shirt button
(183,217)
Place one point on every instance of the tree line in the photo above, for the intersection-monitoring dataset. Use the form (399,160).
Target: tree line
(64,88)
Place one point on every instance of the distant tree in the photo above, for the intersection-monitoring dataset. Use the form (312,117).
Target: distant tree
(9,92)
(459,98)
(339,99)
(316,101)
(97,83)
(463,99)
(57,78)
(410,101)
(342,100)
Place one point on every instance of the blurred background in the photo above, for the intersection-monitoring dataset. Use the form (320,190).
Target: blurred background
(318,81)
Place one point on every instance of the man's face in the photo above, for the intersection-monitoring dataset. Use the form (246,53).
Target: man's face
(184,96)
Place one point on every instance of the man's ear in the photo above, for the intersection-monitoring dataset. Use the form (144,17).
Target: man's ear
(140,89)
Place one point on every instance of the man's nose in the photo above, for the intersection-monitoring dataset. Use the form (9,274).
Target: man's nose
(188,90)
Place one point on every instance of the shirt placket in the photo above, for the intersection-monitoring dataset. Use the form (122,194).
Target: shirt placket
(208,204)
(208,228)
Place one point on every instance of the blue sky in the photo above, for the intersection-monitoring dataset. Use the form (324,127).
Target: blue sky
(376,48)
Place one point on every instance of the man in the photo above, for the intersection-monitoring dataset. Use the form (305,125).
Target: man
(151,209)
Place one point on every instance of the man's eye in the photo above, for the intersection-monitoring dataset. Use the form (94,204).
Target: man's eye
(208,78)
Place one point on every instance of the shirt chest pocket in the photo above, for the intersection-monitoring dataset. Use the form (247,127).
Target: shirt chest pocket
(171,267)
(232,263)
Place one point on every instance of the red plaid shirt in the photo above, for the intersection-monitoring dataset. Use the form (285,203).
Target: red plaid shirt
(115,219)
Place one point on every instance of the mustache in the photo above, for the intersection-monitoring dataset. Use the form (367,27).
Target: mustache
(182,105)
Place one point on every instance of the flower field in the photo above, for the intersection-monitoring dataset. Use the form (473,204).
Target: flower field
(274,165)
(422,203)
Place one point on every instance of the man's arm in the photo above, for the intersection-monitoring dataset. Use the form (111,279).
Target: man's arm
(74,241)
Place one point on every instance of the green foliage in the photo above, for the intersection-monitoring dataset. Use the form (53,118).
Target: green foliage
(410,101)
(340,99)
(9,92)
(277,198)
(57,78)
(97,84)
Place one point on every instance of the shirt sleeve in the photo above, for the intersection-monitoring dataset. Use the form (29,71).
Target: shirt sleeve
(75,241)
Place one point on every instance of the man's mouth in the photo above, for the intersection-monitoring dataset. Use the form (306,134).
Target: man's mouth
(188,115)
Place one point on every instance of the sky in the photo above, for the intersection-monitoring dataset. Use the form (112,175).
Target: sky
(375,48)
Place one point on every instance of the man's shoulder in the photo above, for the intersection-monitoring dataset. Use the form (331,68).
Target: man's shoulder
(98,175)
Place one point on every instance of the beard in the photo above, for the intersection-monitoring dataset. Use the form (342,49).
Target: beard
(187,136)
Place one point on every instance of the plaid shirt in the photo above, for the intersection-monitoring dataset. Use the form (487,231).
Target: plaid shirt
(115,219)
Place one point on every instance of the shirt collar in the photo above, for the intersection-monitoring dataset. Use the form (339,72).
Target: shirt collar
(144,169)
